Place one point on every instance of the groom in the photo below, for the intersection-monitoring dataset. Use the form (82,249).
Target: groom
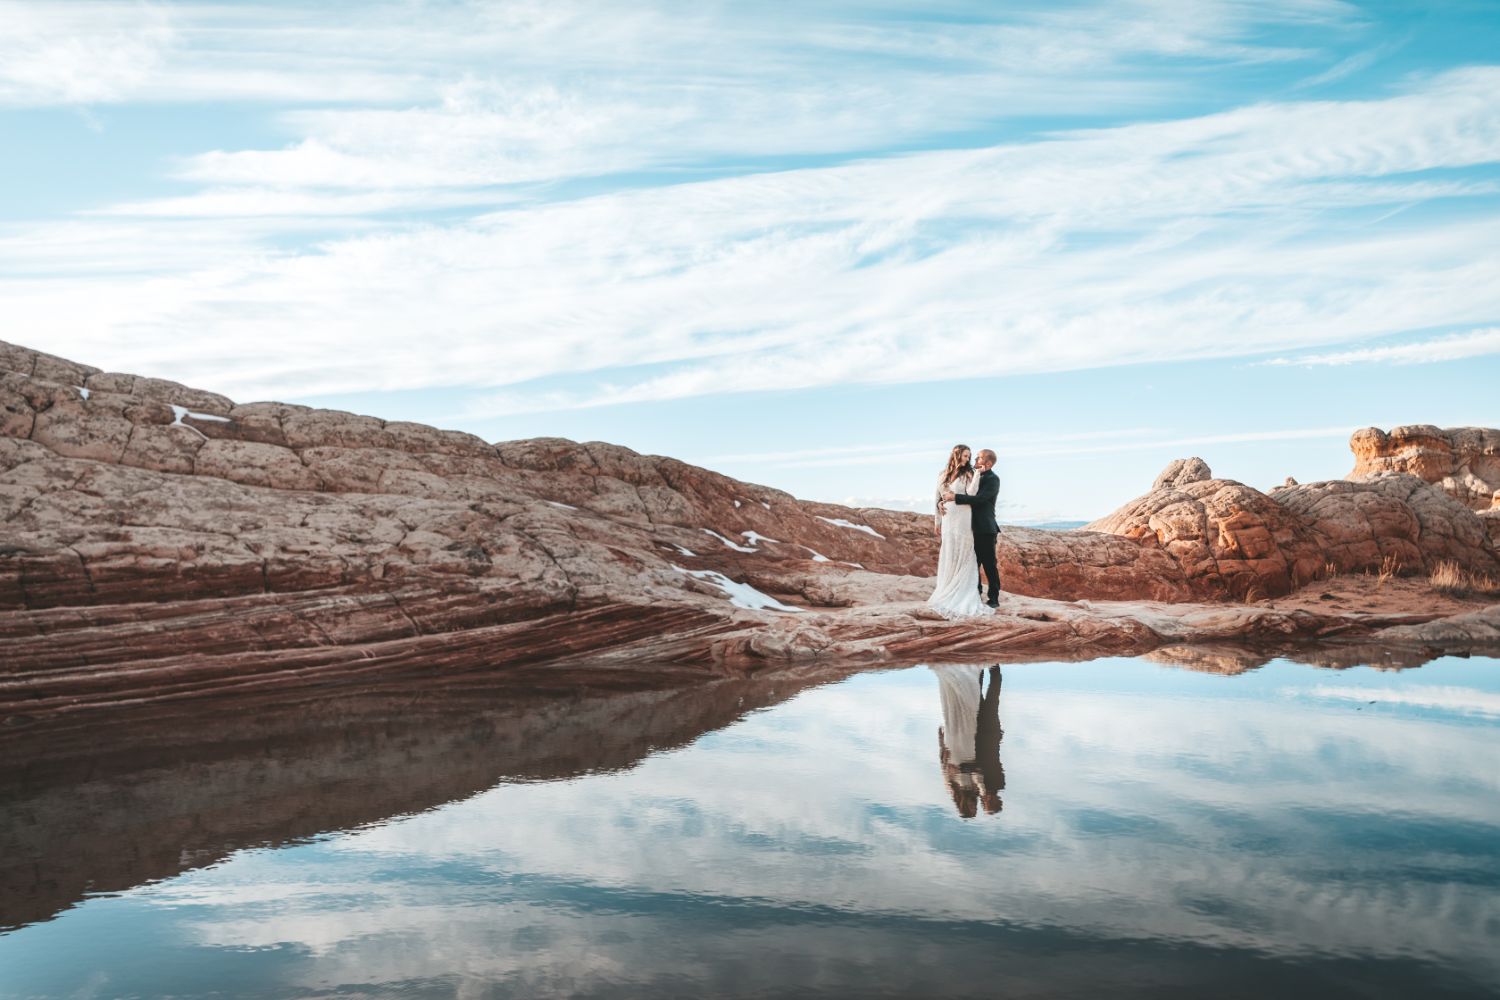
(986,531)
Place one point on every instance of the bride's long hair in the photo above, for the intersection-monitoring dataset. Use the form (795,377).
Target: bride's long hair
(956,464)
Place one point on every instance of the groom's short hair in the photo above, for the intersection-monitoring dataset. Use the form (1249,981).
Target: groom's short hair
(985,455)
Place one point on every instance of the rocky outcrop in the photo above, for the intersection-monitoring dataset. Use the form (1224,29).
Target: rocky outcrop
(1229,539)
(1232,541)
(1395,520)
(162,542)
(119,489)
(1462,461)
(1182,472)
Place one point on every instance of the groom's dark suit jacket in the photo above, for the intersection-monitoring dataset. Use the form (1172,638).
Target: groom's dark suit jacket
(983,502)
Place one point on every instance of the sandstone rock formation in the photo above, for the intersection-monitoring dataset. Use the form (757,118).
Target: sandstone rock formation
(1463,461)
(1182,472)
(1231,540)
(165,542)
(125,489)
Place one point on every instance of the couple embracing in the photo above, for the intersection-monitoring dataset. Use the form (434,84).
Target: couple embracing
(967,533)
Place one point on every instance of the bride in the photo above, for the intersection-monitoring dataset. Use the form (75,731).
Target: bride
(956,594)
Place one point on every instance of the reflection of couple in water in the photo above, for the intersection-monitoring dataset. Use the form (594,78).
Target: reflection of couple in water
(969,740)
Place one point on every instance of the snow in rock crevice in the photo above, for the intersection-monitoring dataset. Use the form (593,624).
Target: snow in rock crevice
(178,412)
(182,411)
(755,538)
(817,556)
(729,542)
(741,595)
(839,522)
(564,506)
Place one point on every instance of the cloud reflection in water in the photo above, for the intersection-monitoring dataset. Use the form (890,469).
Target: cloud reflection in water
(1158,825)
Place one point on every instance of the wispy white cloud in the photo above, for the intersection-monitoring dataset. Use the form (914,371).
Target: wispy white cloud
(79,53)
(1349,66)
(251,202)
(528,92)
(537,92)
(1448,698)
(99,52)
(1219,235)
(1016,445)
(1453,347)
(1207,237)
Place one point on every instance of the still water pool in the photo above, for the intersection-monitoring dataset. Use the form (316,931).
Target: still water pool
(1116,827)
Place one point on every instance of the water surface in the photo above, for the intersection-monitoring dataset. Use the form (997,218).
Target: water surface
(1116,825)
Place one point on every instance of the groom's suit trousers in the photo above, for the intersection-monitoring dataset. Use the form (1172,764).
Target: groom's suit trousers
(984,550)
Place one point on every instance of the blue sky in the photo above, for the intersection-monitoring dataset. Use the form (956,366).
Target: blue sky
(808,245)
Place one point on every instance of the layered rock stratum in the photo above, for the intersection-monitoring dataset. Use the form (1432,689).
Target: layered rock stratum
(1463,461)
(161,542)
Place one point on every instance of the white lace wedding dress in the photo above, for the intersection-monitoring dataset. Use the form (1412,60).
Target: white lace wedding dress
(957,592)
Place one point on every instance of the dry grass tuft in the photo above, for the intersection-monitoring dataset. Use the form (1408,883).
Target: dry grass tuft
(1390,567)
(1453,580)
(1448,577)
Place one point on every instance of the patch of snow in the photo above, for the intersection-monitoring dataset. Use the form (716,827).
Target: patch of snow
(855,565)
(686,552)
(841,523)
(755,538)
(741,595)
(179,412)
(765,505)
(82,391)
(736,503)
(817,556)
(182,411)
(733,545)
(564,506)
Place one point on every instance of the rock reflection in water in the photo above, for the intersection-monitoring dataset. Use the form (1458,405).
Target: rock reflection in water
(969,740)
(111,800)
